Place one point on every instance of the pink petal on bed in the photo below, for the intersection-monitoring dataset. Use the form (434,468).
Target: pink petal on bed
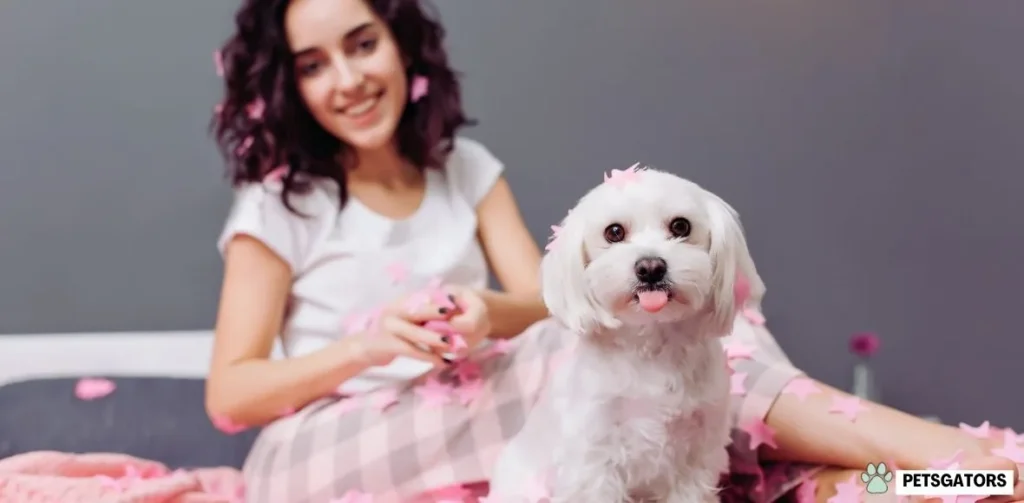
(91,388)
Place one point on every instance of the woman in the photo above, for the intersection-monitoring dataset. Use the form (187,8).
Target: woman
(353,194)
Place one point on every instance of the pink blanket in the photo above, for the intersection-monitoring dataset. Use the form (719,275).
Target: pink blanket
(56,477)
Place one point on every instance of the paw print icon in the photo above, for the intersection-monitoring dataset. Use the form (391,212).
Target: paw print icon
(877,477)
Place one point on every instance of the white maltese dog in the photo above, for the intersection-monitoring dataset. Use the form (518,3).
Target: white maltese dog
(644,271)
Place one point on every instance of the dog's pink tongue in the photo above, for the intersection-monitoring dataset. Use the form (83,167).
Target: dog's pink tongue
(652,302)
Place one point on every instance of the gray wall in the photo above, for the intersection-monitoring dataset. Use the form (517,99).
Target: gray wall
(872,147)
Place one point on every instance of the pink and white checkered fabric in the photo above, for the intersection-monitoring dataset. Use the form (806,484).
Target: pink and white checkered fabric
(411,448)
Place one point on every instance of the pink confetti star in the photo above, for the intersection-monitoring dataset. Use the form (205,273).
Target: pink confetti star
(384,399)
(1010,450)
(849,406)
(277,174)
(419,88)
(622,177)
(218,63)
(398,272)
(754,316)
(93,388)
(244,146)
(354,496)
(950,463)
(226,425)
(807,492)
(255,109)
(802,387)
(760,434)
(736,383)
(738,350)
(556,231)
(981,431)
(434,392)
(848,492)
(469,391)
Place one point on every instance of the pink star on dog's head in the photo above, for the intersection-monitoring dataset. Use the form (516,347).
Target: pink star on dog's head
(801,387)
(849,406)
(760,434)
(622,177)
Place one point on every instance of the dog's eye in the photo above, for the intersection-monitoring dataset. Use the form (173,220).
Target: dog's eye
(614,233)
(680,227)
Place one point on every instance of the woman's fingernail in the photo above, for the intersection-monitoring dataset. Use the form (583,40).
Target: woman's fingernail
(447,361)
(443,310)
(445,339)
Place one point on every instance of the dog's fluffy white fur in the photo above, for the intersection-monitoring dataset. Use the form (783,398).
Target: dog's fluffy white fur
(639,411)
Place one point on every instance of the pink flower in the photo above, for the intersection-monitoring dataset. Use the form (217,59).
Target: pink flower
(864,344)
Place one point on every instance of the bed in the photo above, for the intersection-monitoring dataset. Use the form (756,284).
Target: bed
(156,412)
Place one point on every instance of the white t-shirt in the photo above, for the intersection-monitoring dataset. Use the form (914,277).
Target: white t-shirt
(348,262)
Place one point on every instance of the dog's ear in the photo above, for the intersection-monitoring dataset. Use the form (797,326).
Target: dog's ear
(566,293)
(731,261)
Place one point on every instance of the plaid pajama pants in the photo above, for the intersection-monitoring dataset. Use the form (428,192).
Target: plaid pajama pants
(408,450)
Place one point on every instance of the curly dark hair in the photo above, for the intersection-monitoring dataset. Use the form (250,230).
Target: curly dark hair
(258,68)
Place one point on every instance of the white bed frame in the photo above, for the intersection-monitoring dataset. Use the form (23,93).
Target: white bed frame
(167,354)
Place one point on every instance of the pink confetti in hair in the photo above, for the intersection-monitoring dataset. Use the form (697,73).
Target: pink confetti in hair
(277,174)
(256,109)
(218,108)
(244,146)
(419,88)
(218,63)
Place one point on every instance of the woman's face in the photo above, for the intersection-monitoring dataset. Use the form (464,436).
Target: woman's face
(348,70)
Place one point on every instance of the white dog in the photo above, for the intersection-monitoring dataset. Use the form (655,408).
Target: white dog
(643,271)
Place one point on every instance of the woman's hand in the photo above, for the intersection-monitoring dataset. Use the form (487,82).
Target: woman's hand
(399,331)
(471,319)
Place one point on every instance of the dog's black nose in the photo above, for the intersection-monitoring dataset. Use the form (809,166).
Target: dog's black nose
(650,269)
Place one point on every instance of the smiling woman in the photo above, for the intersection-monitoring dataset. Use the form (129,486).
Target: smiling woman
(309,82)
